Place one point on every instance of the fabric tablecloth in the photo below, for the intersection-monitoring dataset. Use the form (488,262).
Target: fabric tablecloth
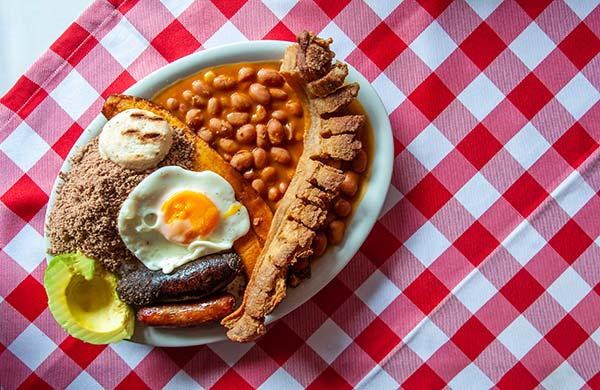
(483,269)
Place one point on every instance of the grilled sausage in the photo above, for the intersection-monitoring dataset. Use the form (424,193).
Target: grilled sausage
(141,286)
(180,315)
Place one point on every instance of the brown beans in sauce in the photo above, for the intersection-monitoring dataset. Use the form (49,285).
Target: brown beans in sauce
(280,155)
(350,184)
(240,101)
(262,137)
(220,127)
(336,231)
(246,134)
(260,157)
(268,174)
(246,73)
(242,160)
(172,104)
(259,186)
(259,93)
(194,118)
(228,145)
(319,244)
(206,135)
(359,164)
(213,107)
(278,93)
(280,115)
(275,131)
(237,118)
(260,114)
(223,82)
(342,208)
(274,194)
(270,77)
(201,88)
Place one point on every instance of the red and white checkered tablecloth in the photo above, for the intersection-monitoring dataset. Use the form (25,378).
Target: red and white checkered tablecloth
(484,267)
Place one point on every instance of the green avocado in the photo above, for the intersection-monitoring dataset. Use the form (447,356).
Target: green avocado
(83,300)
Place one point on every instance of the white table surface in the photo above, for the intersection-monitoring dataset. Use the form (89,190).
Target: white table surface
(27,29)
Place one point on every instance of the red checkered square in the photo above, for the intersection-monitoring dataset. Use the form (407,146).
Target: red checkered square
(476,243)
(35,382)
(426,292)
(522,290)
(534,8)
(280,32)
(121,83)
(429,195)
(570,241)
(332,296)
(580,46)
(175,41)
(81,352)
(424,378)
(566,336)
(378,340)
(479,146)
(232,380)
(332,8)
(483,46)
(594,382)
(74,44)
(64,144)
(29,298)
(329,379)
(123,6)
(525,195)
(518,377)
(229,8)
(182,355)
(575,145)
(24,97)
(380,245)
(530,96)
(431,96)
(132,381)
(472,338)
(272,345)
(382,46)
(25,198)
(435,7)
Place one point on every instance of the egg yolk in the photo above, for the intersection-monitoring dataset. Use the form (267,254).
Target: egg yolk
(192,210)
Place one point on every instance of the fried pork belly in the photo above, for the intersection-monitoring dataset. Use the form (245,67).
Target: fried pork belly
(304,208)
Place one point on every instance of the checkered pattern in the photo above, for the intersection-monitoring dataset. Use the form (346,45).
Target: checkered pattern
(483,268)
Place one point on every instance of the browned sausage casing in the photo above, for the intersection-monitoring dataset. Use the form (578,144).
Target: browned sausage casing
(181,315)
(199,278)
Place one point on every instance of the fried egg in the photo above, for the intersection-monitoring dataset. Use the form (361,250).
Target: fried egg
(175,216)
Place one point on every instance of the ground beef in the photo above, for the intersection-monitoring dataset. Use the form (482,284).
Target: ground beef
(84,215)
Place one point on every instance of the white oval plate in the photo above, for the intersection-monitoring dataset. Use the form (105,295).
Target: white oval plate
(332,262)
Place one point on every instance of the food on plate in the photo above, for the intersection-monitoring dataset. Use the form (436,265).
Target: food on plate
(257,124)
(135,139)
(175,216)
(208,202)
(187,314)
(83,300)
(306,217)
(196,279)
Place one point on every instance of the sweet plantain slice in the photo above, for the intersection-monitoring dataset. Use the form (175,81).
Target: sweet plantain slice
(248,246)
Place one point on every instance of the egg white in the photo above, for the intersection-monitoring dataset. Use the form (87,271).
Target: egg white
(140,218)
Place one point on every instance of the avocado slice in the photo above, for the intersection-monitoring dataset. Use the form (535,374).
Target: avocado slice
(83,300)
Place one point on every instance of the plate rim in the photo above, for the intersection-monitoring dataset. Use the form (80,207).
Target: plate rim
(361,223)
